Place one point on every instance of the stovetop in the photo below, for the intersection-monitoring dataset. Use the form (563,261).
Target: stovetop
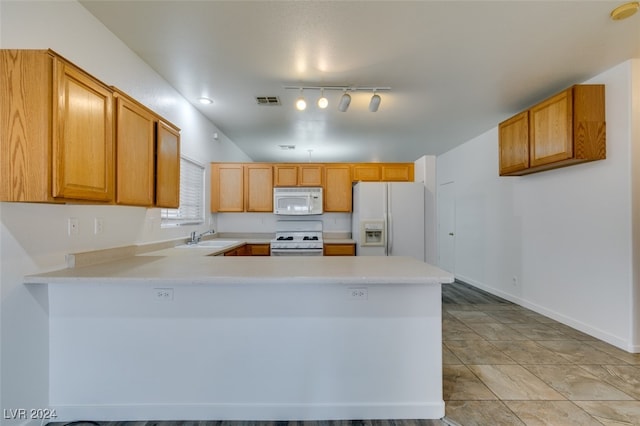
(298,234)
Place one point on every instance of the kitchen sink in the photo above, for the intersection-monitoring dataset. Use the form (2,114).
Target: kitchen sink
(210,244)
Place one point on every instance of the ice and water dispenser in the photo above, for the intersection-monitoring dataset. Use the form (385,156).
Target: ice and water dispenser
(372,233)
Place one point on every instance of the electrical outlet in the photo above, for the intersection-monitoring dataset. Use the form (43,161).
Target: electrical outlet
(98,225)
(72,226)
(163,294)
(358,293)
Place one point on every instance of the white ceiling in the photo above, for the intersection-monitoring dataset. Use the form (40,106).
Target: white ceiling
(455,68)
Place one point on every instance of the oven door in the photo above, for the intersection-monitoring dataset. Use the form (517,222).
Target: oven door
(296,251)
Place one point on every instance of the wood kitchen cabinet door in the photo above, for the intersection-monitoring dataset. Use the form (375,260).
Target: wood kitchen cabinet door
(550,130)
(337,188)
(258,187)
(227,187)
(167,166)
(339,249)
(366,172)
(285,175)
(310,174)
(83,148)
(513,140)
(135,160)
(397,172)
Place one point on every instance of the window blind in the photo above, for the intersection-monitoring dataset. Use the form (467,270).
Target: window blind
(191,209)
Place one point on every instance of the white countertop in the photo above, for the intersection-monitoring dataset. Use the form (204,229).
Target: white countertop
(192,266)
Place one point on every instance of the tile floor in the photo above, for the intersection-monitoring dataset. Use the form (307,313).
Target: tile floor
(506,365)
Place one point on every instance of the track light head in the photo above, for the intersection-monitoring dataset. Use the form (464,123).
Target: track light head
(322,101)
(301,104)
(345,100)
(375,102)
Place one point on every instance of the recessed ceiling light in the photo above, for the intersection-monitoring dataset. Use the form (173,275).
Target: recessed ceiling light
(624,11)
(205,101)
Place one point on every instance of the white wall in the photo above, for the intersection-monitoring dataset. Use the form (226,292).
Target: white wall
(33,238)
(635,194)
(425,172)
(564,234)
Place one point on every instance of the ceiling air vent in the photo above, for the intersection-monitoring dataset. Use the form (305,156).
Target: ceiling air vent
(287,147)
(268,100)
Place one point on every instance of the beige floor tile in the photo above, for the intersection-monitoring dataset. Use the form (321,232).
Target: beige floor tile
(576,383)
(556,413)
(571,333)
(580,352)
(613,412)
(459,383)
(472,316)
(448,358)
(619,354)
(538,331)
(510,317)
(623,377)
(481,413)
(456,330)
(477,352)
(529,352)
(514,382)
(495,331)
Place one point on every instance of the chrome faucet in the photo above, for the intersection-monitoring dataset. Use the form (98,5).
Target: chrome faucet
(195,237)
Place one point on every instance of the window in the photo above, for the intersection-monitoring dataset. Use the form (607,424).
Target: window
(191,210)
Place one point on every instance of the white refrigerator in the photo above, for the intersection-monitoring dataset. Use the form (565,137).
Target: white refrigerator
(388,219)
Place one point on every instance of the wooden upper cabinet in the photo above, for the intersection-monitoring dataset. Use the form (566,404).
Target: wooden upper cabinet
(167,165)
(337,188)
(258,187)
(567,128)
(514,143)
(227,187)
(135,143)
(297,174)
(56,130)
(147,156)
(551,130)
(285,175)
(83,148)
(382,172)
(239,187)
(397,172)
(310,174)
(26,111)
(366,172)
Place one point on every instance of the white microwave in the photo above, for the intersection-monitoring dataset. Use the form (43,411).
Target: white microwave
(297,201)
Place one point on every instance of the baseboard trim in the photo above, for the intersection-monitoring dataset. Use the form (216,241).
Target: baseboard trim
(247,412)
(571,322)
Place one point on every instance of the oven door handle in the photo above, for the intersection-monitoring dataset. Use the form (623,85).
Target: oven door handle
(296,252)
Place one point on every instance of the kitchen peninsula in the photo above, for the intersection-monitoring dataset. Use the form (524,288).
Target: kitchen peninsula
(177,334)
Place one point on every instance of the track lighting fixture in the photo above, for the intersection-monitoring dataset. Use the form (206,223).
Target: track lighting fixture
(374,104)
(322,101)
(301,104)
(345,99)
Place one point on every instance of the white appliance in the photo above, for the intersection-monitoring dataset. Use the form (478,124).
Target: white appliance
(297,201)
(297,238)
(388,219)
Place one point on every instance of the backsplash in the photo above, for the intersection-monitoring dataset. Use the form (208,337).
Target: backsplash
(266,222)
